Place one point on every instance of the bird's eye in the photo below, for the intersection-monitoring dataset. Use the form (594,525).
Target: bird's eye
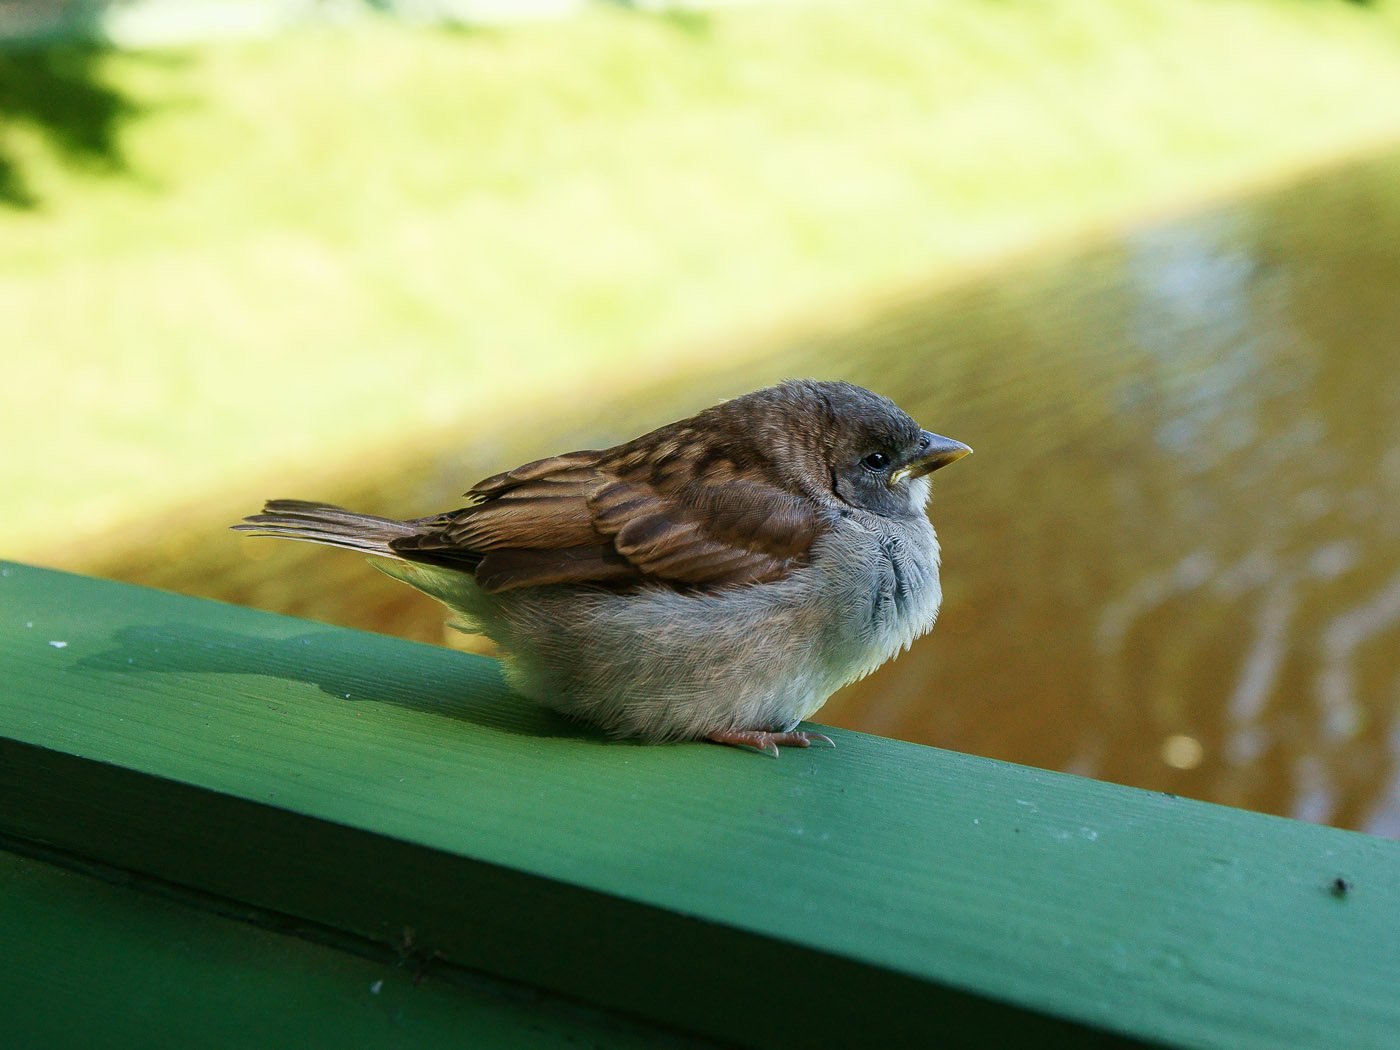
(876,461)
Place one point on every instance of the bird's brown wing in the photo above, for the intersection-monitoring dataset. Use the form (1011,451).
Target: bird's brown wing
(663,512)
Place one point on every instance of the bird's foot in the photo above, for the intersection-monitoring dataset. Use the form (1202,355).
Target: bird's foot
(768,743)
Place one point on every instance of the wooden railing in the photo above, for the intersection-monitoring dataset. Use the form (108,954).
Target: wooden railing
(439,859)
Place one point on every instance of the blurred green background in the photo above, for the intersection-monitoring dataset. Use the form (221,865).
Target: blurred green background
(1142,255)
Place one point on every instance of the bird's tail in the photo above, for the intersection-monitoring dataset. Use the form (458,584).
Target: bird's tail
(294,519)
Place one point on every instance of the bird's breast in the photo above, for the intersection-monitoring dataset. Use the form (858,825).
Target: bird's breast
(880,578)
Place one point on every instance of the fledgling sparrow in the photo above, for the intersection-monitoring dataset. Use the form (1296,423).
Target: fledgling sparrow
(717,578)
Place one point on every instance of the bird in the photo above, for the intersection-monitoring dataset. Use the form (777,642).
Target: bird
(717,578)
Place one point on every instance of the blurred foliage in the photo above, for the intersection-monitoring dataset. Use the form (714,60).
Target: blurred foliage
(61,92)
(257,257)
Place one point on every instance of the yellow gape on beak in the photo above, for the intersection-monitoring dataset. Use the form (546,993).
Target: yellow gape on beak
(934,452)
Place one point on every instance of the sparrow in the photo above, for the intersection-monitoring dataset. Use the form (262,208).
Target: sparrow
(717,578)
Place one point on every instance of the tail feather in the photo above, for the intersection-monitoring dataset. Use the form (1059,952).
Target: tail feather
(294,519)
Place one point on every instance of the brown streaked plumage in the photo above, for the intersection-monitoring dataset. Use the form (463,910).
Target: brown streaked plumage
(730,515)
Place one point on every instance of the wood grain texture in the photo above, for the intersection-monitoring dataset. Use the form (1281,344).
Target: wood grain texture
(93,964)
(884,889)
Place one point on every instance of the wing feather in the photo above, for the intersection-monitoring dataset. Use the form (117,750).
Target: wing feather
(665,509)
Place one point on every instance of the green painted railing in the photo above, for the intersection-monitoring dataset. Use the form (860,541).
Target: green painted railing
(437,859)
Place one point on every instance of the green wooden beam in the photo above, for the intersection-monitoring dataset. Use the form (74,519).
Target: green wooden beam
(881,891)
(88,963)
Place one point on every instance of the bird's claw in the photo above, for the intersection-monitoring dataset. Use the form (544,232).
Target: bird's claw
(768,743)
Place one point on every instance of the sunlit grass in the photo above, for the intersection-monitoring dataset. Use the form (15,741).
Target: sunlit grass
(317,242)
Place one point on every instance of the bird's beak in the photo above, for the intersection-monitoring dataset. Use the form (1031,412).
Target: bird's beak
(935,452)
